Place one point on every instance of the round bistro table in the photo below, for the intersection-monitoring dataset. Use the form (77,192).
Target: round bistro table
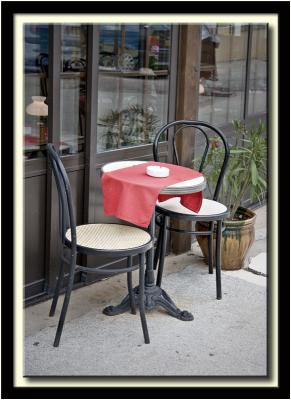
(154,295)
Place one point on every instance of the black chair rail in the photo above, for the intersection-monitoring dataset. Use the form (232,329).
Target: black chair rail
(67,223)
(170,132)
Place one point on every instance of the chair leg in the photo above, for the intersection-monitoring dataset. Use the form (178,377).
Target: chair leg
(66,303)
(57,290)
(129,286)
(141,299)
(218,259)
(210,250)
(162,251)
(158,248)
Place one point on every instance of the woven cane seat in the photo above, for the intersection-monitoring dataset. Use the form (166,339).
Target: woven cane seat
(109,236)
(208,207)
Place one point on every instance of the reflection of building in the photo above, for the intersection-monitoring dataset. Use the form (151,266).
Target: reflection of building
(145,76)
(209,43)
(229,91)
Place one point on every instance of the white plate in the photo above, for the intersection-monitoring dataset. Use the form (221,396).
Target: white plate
(191,182)
(113,166)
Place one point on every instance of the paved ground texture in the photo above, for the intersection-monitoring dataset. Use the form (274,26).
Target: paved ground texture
(226,338)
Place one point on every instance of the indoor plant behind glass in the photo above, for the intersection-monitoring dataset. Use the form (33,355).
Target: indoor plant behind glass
(131,126)
(246,174)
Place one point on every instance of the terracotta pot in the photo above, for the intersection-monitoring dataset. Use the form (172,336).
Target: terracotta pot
(237,238)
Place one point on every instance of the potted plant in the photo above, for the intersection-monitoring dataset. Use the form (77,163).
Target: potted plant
(246,174)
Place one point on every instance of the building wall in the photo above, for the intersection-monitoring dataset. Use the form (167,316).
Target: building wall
(98,77)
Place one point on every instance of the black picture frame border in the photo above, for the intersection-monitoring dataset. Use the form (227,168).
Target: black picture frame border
(8,390)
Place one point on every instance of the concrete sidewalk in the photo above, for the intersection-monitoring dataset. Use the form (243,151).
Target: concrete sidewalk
(226,338)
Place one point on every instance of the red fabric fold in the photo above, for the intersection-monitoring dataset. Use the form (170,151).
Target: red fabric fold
(131,195)
(193,201)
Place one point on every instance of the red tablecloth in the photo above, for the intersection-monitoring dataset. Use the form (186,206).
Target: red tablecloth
(130,194)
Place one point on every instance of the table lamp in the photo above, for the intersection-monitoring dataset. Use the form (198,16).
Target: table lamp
(38,108)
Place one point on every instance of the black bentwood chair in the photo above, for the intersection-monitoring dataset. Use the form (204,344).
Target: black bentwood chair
(211,210)
(112,240)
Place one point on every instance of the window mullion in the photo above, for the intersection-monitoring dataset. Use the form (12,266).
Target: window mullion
(91,122)
(248,71)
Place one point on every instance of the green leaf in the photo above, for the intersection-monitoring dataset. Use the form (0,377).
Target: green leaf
(237,151)
(254,173)
(237,170)
(262,181)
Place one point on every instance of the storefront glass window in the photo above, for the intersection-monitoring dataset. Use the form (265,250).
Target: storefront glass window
(258,71)
(35,89)
(223,72)
(133,87)
(73,87)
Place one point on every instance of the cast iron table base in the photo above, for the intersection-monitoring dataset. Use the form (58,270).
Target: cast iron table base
(154,296)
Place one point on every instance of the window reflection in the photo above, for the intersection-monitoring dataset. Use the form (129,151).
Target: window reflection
(35,89)
(134,64)
(258,71)
(73,87)
(223,70)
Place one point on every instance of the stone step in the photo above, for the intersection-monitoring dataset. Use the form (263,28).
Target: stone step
(258,264)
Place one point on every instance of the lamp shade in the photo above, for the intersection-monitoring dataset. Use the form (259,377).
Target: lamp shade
(37,107)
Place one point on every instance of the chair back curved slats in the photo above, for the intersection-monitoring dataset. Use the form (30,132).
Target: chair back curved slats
(66,214)
(199,126)
(96,239)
